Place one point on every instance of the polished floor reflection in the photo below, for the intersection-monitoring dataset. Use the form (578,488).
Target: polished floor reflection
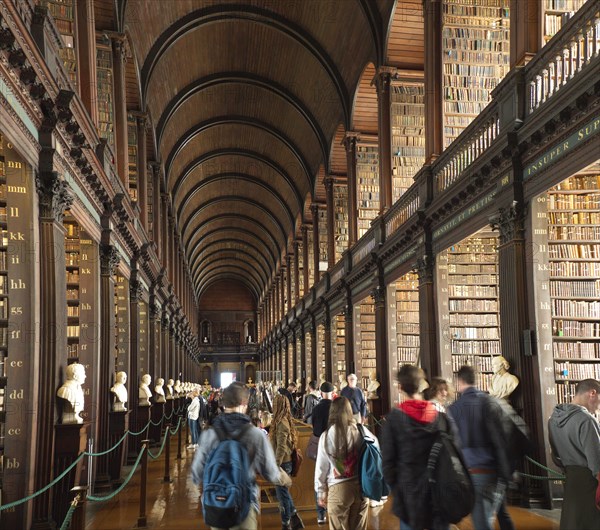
(175,505)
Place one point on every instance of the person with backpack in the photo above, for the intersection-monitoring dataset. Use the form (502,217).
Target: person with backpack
(310,401)
(225,465)
(409,434)
(284,438)
(479,420)
(337,469)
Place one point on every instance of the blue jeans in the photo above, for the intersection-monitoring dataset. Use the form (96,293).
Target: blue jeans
(504,519)
(286,504)
(194,430)
(487,500)
(321,510)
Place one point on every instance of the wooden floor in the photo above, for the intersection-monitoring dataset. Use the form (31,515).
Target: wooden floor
(175,505)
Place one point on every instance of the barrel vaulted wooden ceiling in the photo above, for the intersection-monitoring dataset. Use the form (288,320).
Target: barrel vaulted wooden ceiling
(249,102)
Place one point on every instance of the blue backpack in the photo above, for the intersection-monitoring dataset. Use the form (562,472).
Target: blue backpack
(227,485)
(370,470)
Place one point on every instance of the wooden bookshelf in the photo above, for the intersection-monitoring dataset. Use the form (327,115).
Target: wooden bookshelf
(307,350)
(63,12)
(301,270)
(408,134)
(121,323)
(573,208)
(340,219)
(72,267)
(4,312)
(556,13)
(150,207)
(132,155)
(323,238)
(321,351)
(311,260)
(476,48)
(364,333)
(407,319)
(338,347)
(290,363)
(367,186)
(468,294)
(105,84)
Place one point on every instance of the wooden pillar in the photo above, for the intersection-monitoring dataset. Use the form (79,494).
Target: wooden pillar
(86,48)
(314,208)
(135,296)
(330,222)
(164,346)
(302,354)
(53,199)
(288,281)
(381,346)
(349,336)
(383,81)
(305,267)
(328,355)
(156,208)
(430,357)
(350,145)
(164,232)
(282,292)
(433,80)
(525,31)
(296,272)
(313,351)
(142,174)
(154,367)
(118,47)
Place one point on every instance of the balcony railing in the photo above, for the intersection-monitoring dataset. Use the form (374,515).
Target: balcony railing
(400,212)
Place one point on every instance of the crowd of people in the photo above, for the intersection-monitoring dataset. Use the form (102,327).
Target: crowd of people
(484,428)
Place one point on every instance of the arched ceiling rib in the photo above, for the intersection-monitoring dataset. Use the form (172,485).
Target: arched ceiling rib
(246,99)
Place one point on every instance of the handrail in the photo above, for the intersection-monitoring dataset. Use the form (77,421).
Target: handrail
(400,212)
(573,47)
(363,247)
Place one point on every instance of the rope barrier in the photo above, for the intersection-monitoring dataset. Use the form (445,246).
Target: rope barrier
(161,447)
(159,422)
(141,432)
(557,475)
(69,516)
(535,477)
(102,453)
(176,428)
(120,488)
(45,488)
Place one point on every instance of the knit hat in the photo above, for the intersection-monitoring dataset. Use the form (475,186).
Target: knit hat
(326,387)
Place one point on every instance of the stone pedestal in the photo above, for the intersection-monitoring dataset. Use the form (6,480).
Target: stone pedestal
(155,434)
(169,406)
(70,441)
(142,417)
(118,425)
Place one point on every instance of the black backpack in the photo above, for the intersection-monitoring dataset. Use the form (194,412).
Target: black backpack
(450,485)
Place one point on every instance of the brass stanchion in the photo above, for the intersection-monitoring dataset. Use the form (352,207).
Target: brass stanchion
(78,520)
(179,440)
(142,522)
(167,477)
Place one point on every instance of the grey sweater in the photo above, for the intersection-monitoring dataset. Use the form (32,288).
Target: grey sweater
(576,436)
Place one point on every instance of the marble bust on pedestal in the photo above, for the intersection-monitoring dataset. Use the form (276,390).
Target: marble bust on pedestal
(170,389)
(373,386)
(177,388)
(72,394)
(159,391)
(120,392)
(144,391)
(503,383)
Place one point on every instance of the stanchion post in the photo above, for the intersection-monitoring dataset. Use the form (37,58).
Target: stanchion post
(78,519)
(167,477)
(179,439)
(142,522)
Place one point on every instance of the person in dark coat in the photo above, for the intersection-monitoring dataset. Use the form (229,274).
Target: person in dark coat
(408,434)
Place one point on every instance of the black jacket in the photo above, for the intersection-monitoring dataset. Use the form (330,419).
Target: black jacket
(405,446)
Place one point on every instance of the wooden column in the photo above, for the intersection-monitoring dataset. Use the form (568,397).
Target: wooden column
(313,351)
(156,208)
(349,336)
(141,122)
(164,232)
(296,272)
(302,354)
(433,80)
(430,357)
(53,198)
(86,49)
(282,292)
(154,367)
(314,209)
(330,222)
(525,31)
(305,268)
(383,81)
(350,145)
(121,147)
(109,259)
(288,281)
(164,346)
(328,355)
(381,347)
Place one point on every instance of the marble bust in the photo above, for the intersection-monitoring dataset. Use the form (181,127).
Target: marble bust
(72,394)
(159,391)
(120,392)
(503,383)
(177,388)
(373,386)
(144,392)
(170,389)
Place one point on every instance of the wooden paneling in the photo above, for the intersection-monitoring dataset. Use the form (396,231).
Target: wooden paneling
(227,296)
(338,161)
(405,45)
(365,103)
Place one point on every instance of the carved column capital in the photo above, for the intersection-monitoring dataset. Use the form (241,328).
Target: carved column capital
(54,196)
(425,269)
(109,259)
(314,208)
(378,294)
(350,141)
(328,182)
(383,78)
(135,290)
(509,223)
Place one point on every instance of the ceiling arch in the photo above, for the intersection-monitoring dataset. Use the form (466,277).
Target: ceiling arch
(225,264)
(214,255)
(228,276)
